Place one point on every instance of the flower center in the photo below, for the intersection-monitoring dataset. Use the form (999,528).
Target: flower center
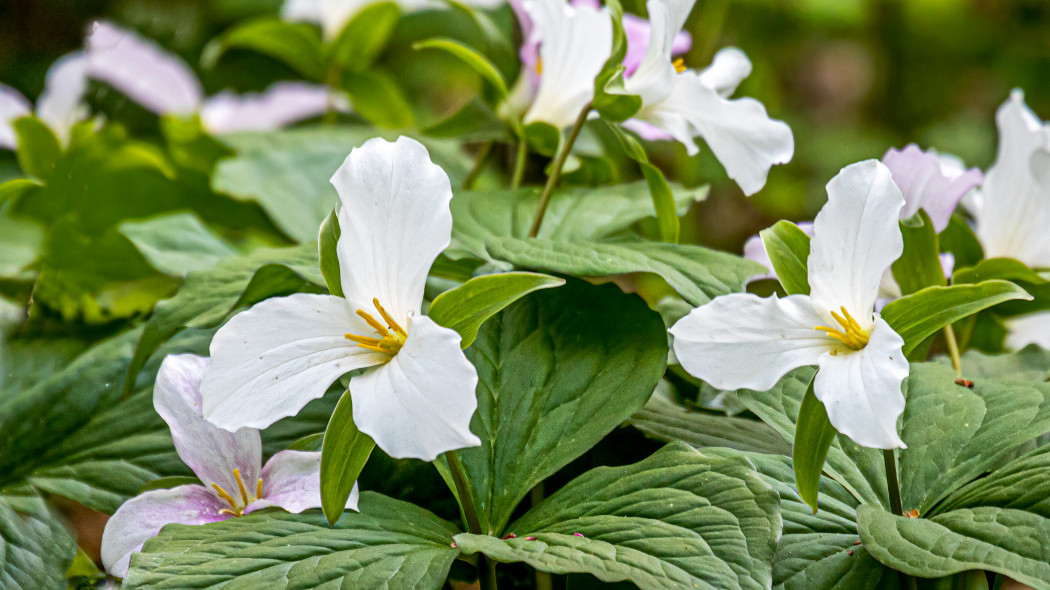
(851,334)
(237,508)
(679,65)
(390,340)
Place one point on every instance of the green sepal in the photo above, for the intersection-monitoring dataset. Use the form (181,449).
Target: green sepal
(788,249)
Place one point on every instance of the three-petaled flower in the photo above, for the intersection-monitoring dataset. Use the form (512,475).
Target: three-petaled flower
(229,464)
(745,341)
(416,396)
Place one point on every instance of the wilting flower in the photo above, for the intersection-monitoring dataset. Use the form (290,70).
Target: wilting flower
(933,182)
(229,464)
(60,106)
(685,104)
(162,83)
(416,396)
(745,341)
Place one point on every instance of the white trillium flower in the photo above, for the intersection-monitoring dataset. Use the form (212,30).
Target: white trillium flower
(685,104)
(333,15)
(417,394)
(60,106)
(745,341)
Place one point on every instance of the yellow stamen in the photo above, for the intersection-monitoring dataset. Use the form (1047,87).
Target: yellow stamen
(539,67)
(237,508)
(851,334)
(679,65)
(224,495)
(230,512)
(390,342)
(389,320)
(373,322)
(258,489)
(240,484)
(363,340)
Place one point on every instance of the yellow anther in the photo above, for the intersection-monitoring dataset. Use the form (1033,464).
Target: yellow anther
(224,495)
(389,320)
(258,489)
(240,484)
(679,65)
(390,342)
(373,322)
(230,512)
(539,67)
(851,334)
(237,508)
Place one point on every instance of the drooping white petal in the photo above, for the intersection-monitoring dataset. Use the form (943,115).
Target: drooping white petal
(61,105)
(419,405)
(332,15)
(139,68)
(861,390)
(727,70)
(269,361)
(281,104)
(926,183)
(574,45)
(653,79)
(1033,328)
(142,517)
(856,237)
(638,31)
(1014,215)
(394,222)
(292,481)
(740,133)
(746,341)
(211,452)
(12,106)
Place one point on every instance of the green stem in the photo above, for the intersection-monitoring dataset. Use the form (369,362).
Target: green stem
(486,568)
(559,163)
(543,579)
(890,458)
(521,156)
(953,349)
(479,165)
(333,79)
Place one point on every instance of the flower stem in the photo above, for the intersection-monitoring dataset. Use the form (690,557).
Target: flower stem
(543,579)
(890,458)
(521,156)
(559,163)
(486,568)
(953,349)
(479,165)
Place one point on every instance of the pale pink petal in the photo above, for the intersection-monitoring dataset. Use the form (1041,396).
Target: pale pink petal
(292,481)
(926,185)
(281,104)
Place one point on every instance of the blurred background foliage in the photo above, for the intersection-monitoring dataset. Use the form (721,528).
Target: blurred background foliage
(851,77)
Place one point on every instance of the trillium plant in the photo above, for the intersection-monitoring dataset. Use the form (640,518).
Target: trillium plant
(420,295)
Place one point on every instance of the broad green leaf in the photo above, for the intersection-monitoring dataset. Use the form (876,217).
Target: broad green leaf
(813,437)
(388,545)
(959,239)
(788,249)
(920,315)
(663,197)
(919,266)
(664,419)
(470,56)
(1031,365)
(287,172)
(35,547)
(20,242)
(675,520)
(364,37)
(1010,542)
(38,148)
(343,455)
(573,214)
(465,308)
(14,188)
(327,242)
(297,45)
(1022,484)
(177,243)
(558,370)
(698,274)
(475,121)
(1006,269)
(376,96)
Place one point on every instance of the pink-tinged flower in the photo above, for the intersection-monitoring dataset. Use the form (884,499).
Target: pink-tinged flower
(930,181)
(685,104)
(229,464)
(279,105)
(60,106)
(745,341)
(416,395)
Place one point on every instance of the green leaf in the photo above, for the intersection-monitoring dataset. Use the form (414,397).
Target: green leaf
(35,548)
(38,148)
(558,370)
(470,56)
(14,189)
(675,520)
(475,121)
(788,249)
(364,37)
(1006,269)
(1009,542)
(177,243)
(1030,365)
(920,315)
(1022,484)
(343,455)
(919,266)
(295,44)
(21,241)
(813,437)
(172,481)
(663,198)
(388,545)
(465,308)
(327,241)
(698,274)
(376,96)
(959,239)
(610,99)
(287,172)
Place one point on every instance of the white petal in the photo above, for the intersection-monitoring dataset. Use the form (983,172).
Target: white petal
(61,105)
(394,222)
(270,361)
(740,133)
(727,70)
(654,77)
(292,481)
(856,237)
(1015,212)
(139,68)
(861,390)
(746,341)
(419,405)
(1033,328)
(281,104)
(332,15)
(574,45)
(211,452)
(142,517)
(12,106)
